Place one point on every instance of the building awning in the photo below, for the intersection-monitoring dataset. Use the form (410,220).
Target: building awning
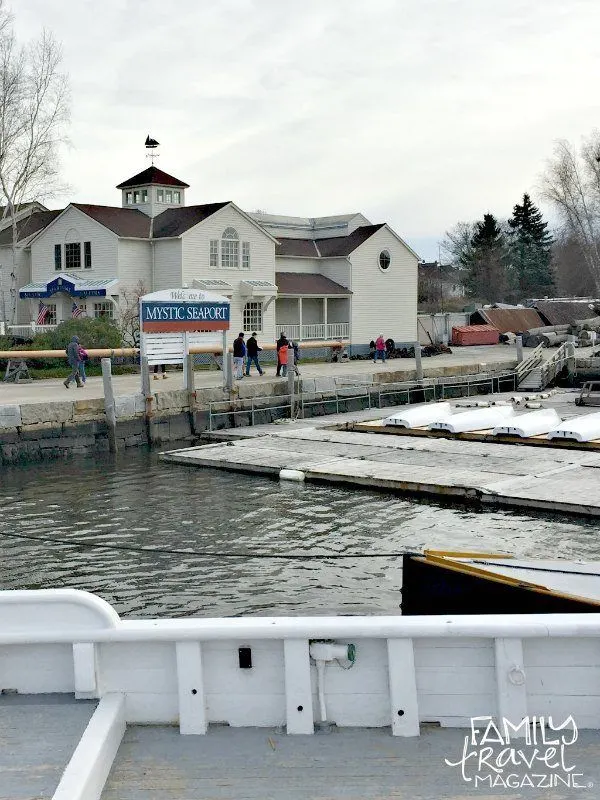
(213,285)
(308,284)
(74,285)
(262,289)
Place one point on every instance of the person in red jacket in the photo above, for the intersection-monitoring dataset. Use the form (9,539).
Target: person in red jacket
(379,349)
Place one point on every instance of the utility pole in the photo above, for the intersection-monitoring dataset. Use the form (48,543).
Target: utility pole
(441,277)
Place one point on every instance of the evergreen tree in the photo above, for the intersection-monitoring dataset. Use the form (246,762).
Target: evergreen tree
(486,262)
(530,251)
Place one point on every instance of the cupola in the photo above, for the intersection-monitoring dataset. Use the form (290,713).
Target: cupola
(153,191)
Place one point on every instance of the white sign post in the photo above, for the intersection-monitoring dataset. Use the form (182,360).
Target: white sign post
(174,320)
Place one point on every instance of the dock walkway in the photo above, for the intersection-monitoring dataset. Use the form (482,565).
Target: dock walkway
(551,479)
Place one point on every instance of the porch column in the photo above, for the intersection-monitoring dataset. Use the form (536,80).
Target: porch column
(325,316)
(300,318)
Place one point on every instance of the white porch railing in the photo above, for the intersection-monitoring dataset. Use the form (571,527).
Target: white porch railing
(315,332)
(30,329)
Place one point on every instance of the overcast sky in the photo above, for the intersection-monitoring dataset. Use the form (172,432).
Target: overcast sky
(419,113)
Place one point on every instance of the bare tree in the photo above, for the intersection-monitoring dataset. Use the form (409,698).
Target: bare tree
(34,114)
(571,183)
(128,320)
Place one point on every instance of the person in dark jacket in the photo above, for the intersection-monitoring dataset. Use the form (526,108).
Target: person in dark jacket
(239,351)
(296,349)
(281,343)
(74,362)
(252,351)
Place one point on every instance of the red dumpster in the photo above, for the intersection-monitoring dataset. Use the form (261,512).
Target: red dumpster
(475,334)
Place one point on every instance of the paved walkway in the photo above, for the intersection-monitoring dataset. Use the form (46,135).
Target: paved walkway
(51,390)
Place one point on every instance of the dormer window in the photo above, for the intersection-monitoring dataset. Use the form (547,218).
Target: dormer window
(128,198)
(160,195)
(144,194)
(168,196)
(176,196)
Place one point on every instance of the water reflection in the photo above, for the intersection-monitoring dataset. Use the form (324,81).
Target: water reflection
(137,502)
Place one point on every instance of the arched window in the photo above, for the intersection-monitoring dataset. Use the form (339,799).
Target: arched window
(230,249)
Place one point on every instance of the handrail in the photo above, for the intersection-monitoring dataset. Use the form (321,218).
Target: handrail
(529,363)
(554,364)
(119,352)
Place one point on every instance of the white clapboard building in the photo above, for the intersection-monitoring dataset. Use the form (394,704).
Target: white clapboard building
(327,278)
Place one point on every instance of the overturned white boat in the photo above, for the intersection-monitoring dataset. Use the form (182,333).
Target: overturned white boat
(535,423)
(582,429)
(476,420)
(419,416)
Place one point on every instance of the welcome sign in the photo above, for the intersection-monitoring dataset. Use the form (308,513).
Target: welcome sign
(180,310)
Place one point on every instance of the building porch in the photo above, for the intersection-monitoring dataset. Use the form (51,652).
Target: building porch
(313,318)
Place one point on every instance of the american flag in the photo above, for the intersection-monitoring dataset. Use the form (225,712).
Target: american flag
(76,311)
(42,314)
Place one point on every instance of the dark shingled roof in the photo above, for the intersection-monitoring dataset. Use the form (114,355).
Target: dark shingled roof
(305,283)
(28,226)
(563,312)
(128,222)
(326,248)
(152,175)
(175,221)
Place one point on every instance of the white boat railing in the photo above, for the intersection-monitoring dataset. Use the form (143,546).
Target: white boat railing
(445,669)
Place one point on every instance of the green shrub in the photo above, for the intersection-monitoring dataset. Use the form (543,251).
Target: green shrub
(93,333)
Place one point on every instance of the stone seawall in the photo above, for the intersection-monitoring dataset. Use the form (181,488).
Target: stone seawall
(37,431)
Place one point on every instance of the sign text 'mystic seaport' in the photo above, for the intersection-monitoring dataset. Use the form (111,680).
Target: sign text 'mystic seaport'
(181,310)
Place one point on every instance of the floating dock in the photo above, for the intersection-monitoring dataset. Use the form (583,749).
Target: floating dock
(553,479)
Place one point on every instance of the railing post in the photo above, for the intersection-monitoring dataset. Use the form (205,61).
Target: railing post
(298,689)
(519,341)
(190,686)
(511,691)
(403,687)
(109,404)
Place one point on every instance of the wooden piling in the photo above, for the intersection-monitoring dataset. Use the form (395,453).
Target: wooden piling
(148,397)
(291,376)
(109,404)
(188,366)
(418,361)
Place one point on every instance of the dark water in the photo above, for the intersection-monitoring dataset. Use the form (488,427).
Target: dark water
(139,503)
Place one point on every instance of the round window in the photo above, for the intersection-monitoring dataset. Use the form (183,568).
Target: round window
(384,260)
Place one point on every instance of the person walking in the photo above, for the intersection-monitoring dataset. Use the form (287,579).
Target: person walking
(296,349)
(74,363)
(379,349)
(239,351)
(282,343)
(161,368)
(83,357)
(252,351)
(282,358)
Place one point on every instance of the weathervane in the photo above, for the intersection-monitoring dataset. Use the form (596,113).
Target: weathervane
(151,145)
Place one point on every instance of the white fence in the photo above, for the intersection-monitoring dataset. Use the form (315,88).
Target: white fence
(316,332)
(439,326)
(169,348)
(406,669)
(29,330)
